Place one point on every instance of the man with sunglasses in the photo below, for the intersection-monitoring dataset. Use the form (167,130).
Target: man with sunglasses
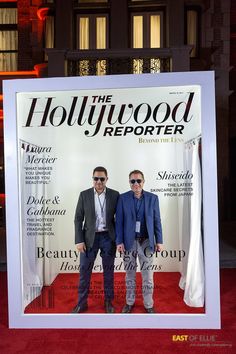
(138,233)
(94,231)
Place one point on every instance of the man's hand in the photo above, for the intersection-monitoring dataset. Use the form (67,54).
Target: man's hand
(81,247)
(159,247)
(120,247)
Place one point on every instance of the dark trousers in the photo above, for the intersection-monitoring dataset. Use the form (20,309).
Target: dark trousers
(107,251)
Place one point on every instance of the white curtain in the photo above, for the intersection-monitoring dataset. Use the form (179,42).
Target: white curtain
(83,33)
(137,42)
(101,33)
(83,43)
(192,30)
(192,275)
(33,269)
(101,43)
(8,16)
(49,33)
(155,31)
(8,41)
(155,40)
(37,271)
(138,32)
(8,61)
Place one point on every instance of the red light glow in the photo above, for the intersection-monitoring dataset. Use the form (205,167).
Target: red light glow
(42,13)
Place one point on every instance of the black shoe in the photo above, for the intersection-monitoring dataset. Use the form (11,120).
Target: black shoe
(150,310)
(109,308)
(127,308)
(80,309)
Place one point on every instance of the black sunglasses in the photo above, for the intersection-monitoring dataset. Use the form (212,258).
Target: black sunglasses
(132,181)
(102,179)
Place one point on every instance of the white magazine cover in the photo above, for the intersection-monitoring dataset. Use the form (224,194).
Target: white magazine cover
(56,131)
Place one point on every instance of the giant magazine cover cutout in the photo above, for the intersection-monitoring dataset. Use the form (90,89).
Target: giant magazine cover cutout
(56,132)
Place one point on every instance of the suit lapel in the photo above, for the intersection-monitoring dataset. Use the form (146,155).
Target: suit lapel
(91,200)
(131,203)
(108,202)
(146,204)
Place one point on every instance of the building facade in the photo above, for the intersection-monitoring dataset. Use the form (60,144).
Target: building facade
(101,37)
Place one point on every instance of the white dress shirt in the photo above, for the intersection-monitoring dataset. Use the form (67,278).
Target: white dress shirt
(100,210)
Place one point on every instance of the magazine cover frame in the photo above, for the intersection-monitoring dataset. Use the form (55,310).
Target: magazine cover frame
(211,317)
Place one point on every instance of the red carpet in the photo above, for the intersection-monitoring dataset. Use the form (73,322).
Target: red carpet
(61,296)
(148,341)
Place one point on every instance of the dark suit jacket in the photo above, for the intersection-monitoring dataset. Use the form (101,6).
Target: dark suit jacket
(85,219)
(126,219)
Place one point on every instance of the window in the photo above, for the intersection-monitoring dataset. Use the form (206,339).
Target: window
(8,37)
(49,32)
(147,30)
(147,33)
(92,33)
(192,29)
